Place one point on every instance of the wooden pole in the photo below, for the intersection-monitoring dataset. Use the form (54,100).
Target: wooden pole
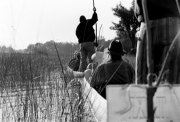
(149,45)
(94,8)
(150,89)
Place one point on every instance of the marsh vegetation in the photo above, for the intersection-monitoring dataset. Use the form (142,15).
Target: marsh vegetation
(33,89)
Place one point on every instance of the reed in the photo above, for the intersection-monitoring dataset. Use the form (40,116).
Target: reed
(32,89)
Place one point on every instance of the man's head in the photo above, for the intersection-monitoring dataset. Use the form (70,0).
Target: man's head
(115,49)
(82,18)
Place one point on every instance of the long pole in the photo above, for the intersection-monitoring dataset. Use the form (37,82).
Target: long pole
(150,88)
(100,31)
(60,62)
(149,45)
(96,23)
(99,37)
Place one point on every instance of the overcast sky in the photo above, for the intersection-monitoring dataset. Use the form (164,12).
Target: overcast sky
(24,22)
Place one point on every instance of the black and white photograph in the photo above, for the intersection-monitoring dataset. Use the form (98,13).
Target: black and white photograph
(89,60)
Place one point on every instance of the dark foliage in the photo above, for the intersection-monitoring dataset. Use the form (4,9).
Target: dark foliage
(128,25)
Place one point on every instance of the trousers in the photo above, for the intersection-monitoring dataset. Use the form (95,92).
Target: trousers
(163,31)
(86,51)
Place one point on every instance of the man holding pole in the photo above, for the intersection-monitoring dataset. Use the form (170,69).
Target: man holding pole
(86,38)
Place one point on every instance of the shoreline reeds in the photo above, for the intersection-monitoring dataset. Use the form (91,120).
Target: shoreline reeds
(32,89)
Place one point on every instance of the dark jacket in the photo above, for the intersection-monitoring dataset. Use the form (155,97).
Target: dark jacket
(157,9)
(85,31)
(109,73)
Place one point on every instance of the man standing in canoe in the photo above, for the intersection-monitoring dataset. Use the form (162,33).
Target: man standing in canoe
(86,36)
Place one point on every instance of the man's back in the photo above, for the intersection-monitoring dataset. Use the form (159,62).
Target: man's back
(85,31)
(118,72)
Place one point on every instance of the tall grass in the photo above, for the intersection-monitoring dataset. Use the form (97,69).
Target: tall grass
(32,90)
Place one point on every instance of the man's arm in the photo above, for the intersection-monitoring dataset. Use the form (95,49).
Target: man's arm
(94,19)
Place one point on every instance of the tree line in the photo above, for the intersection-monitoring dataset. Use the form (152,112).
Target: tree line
(126,30)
